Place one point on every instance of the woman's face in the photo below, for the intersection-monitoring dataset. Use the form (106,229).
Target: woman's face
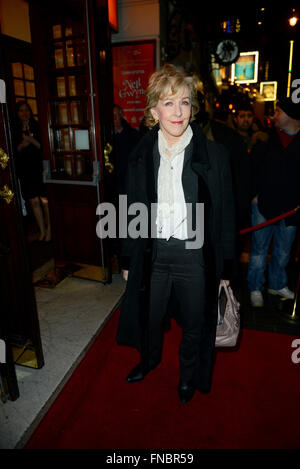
(173,113)
(24,113)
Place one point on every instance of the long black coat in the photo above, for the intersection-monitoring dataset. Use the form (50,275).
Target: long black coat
(210,162)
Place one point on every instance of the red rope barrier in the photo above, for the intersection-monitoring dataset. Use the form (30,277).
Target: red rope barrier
(269,222)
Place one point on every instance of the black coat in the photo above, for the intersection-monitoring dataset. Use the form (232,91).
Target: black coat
(210,162)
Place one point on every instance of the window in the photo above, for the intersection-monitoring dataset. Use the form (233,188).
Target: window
(24,85)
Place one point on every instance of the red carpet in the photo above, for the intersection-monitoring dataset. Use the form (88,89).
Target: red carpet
(254,402)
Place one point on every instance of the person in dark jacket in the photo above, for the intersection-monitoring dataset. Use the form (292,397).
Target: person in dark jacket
(174,165)
(276,172)
(248,127)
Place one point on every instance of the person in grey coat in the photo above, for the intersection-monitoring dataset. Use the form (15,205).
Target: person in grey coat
(175,169)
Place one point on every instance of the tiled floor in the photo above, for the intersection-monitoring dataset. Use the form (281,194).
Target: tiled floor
(71,315)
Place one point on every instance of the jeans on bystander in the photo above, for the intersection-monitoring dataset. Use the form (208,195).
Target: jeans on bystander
(283,237)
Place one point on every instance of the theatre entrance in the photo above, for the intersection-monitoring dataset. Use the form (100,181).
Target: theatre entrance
(70,60)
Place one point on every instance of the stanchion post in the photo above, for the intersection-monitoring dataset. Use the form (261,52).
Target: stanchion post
(293,317)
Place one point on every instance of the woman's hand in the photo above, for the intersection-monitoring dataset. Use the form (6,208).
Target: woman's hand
(31,139)
(125,274)
(25,142)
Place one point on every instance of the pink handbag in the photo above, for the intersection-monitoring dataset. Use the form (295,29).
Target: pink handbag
(228,327)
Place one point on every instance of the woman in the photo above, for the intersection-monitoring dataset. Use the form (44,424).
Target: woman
(30,167)
(174,164)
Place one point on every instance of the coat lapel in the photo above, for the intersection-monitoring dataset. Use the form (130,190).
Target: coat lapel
(144,158)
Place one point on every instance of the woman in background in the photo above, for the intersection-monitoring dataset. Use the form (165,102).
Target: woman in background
(30,168)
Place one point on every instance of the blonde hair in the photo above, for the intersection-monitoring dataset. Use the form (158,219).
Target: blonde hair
(168,78)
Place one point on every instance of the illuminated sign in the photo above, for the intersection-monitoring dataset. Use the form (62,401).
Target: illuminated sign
(245,69)
(268,90)
(113,14)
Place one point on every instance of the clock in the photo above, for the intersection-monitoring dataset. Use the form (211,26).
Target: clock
(226,52)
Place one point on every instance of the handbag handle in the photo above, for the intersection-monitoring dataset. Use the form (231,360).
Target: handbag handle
(230,297)
(223,285)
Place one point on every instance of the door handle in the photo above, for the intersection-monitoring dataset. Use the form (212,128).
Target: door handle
(4,159)
(7,194)
(107,151)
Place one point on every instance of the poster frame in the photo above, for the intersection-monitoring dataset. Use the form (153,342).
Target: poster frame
(269,83)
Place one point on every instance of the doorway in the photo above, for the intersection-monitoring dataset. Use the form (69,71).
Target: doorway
(21,88)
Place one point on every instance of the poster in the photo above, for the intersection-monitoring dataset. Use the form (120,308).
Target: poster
(245,69)
(133,63)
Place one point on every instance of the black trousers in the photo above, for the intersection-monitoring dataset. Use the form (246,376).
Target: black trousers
(175,267)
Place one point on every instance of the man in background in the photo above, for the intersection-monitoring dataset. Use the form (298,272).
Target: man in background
(277,189)
(248,127)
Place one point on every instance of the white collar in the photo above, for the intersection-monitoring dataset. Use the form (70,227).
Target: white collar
(177,147)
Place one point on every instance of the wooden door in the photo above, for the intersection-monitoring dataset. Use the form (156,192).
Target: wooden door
(18,319)
(74,127)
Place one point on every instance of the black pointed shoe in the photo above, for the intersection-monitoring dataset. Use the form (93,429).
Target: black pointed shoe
(185,392)
(137,374)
